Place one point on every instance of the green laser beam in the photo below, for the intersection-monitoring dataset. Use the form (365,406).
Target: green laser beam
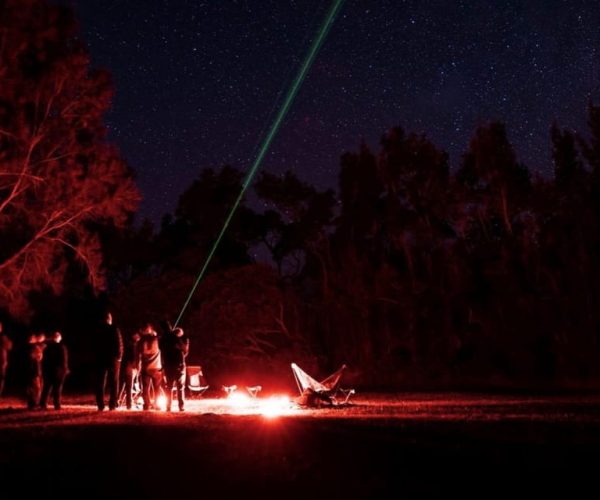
(287,103)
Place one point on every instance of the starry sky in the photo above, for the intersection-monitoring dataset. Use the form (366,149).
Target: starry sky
(198,82)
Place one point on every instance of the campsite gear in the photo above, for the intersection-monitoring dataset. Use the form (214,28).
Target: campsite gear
(254,390)
(196,383)
(315,393)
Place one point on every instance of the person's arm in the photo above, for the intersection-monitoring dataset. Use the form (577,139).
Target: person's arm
(186,347)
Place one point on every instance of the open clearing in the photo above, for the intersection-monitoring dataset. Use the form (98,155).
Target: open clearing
(383,445)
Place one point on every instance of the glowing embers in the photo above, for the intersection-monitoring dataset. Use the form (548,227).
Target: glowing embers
(249,403)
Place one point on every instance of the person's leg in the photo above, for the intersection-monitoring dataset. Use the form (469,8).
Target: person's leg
(129,373)
(100,385)
(30,391)
(181,389)
(57,390)
(157,382)
(46,391)
(37,391)
(169,389)
(113,374)
(146,381)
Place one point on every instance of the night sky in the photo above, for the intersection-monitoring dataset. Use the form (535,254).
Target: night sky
(196,82)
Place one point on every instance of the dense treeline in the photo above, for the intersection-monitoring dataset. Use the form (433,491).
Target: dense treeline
(412,274)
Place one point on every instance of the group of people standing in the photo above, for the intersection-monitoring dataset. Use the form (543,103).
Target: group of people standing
(158,363)
(46,369)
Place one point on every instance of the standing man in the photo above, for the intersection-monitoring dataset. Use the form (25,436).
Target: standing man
(109,352)
(174,347)
(55,367)
(151,366)
(5,347)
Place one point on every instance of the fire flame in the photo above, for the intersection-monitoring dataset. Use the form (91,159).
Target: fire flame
(271,407)
(238,399)
(161,402)
(274,406)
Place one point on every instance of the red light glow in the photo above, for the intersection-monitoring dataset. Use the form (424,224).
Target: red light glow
(161,402)
(239,399)
(274,406)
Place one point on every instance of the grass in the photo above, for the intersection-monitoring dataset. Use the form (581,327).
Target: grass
(382,446)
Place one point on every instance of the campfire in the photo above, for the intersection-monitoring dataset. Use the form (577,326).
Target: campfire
(248,401)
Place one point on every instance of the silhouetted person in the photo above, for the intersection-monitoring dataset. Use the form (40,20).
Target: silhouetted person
(35,354)
(109,350)
(131,365)
(164,327)
(151,365)
(55,368)
(174,347)
(5,347)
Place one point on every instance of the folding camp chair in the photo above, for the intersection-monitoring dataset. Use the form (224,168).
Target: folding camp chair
(230,389)
(254,390)
(315,393)
(195,381)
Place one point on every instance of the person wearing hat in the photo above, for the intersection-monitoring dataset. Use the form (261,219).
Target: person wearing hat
(152,373)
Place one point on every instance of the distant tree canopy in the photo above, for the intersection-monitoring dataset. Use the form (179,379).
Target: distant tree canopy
(59,178)
(412,274)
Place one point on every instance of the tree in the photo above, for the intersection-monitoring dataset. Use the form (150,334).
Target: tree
(569,173)
(185,240)
(492,174)
(60,180)
(298,225)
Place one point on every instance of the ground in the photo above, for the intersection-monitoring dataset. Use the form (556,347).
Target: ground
(382,446)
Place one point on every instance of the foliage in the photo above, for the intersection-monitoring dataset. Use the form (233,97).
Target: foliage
(59,179)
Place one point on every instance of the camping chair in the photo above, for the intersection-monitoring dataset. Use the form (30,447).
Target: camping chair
(346,393)
(313,392)
(254,390)
(230,389)
(195,381)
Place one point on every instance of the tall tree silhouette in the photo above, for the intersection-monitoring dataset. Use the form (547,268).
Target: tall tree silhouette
(185,239)
(58,176)
(492,174)
(299,228)
(568,167)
